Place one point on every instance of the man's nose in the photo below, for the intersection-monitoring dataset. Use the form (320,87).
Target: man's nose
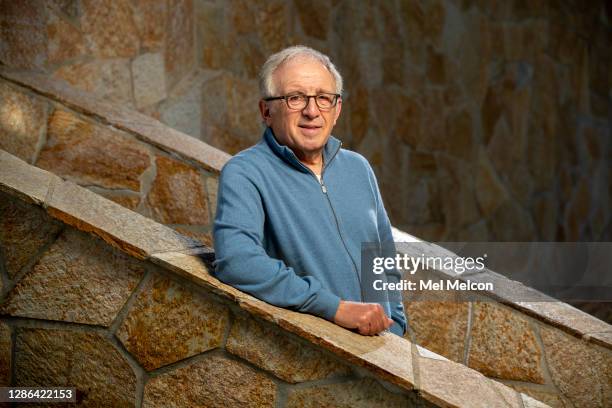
(311,109)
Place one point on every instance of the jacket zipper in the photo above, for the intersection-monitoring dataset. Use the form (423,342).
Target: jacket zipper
(324,190)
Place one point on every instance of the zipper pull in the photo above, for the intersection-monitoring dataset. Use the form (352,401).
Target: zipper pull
(323,188)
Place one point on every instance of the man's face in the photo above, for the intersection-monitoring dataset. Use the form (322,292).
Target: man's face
(304,131)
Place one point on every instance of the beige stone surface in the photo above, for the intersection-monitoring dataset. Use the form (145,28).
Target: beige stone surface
(118,226)
(6,345)
(212,187)
(85,360)
(215,381)
(89,153)
(108,79)
(168,323)
(547,396)
(586,378)
(211,29)
(110,28)
(439,326)
(177,195)
(490,191)
(462,210)
(20,20)
(19,179)
(150,18)
(503,345)
(149,78)
(274,351)
(65,40)
(511,222)
(123,118)
(129,201)
(229,102)
(24,230)
(78,279)
(360,394)
(314,18)
(446,383)
(180,48)
(22,121)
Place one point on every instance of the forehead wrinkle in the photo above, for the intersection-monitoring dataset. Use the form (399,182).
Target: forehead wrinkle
(301,80)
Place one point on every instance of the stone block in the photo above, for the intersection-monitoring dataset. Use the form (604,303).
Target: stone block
(211,32)
(439,326)
(549,397)
(581,371)
(23,120)
(108,79)
(23,20)
(129,201)
(577,210)
(6,347)
(511,222)
(359,394)
(314,18)
(110,28)
(212,187)
(149,79)
(89,153)
(84,360)
(168,323)
(274,351)
(230,103)
(214,381)
(445,383)
(24,230)
(503,345)
(180,48)
(65,41)
(150,18)
(182,110)
(490,191)
(456,181)
(177,195)
(19,179)
(118,226)
(79,279)
(271,21)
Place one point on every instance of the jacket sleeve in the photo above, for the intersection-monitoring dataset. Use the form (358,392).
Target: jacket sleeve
(393,275)
(241,260)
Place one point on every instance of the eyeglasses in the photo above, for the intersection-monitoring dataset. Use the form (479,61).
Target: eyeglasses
(299,101)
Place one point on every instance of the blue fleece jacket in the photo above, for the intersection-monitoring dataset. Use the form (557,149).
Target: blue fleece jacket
(295,242)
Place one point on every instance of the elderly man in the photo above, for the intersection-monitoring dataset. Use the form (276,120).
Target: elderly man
(294,209)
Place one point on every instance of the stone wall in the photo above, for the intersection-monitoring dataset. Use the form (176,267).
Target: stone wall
(526,340)
(502,105)
(123,308)
(504,339)
(118,164)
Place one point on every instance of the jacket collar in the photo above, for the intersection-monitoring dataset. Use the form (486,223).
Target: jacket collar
(329,151)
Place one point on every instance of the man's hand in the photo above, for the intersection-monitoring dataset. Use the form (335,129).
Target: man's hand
(368,318)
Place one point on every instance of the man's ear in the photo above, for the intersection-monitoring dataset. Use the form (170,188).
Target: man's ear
(264,109)
(338,109)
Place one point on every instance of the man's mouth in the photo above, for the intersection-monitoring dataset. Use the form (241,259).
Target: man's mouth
(309,126)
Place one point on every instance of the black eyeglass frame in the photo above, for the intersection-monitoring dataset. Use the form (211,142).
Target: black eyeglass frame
(286,98)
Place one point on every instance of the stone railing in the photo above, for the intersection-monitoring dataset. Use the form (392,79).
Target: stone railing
(98,297)
(534,347)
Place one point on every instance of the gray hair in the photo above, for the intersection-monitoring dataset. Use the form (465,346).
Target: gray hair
(266,85)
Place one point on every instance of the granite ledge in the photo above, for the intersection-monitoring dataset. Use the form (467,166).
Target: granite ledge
(144,127)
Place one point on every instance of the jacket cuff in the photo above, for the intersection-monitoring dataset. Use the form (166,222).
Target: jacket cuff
(327,305)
